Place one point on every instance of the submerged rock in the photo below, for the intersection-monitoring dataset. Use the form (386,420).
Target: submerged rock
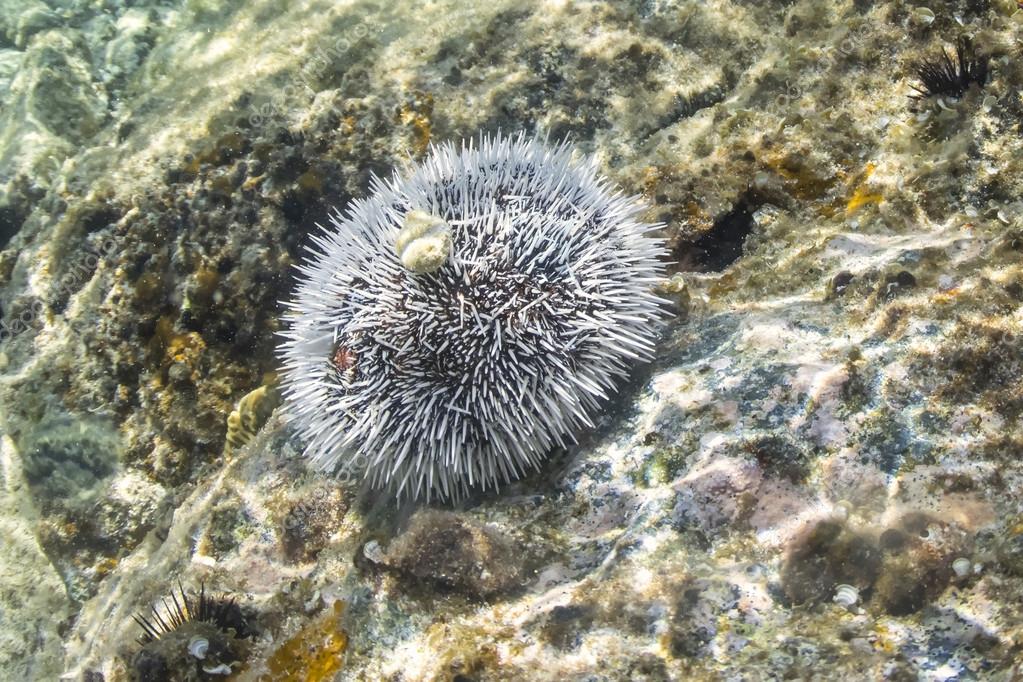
(824,556)
(837,404)
(450,552)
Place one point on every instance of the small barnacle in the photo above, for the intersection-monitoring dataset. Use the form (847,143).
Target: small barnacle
(951,76)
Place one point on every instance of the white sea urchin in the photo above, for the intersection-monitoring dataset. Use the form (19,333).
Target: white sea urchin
(467,371)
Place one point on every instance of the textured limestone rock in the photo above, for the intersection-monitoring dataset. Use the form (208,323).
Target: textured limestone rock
(34,602)
(451,552)
(845,361)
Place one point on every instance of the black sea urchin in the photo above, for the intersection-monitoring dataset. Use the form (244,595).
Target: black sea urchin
(191,638)
(461,321)
(952,77)
(221,612)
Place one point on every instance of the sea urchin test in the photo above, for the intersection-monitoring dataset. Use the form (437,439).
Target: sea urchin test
(452,328)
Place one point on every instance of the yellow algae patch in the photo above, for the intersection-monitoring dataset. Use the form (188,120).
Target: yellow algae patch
(651,180)
(206,281)
(458,650)
(314,653)
(417,117)
(253,182)
(348,125)
(862,194)
(802,180)
(171,348)
(311,181)
(150,287)
(186,350)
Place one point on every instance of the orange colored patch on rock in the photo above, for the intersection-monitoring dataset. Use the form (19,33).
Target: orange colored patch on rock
(314,653)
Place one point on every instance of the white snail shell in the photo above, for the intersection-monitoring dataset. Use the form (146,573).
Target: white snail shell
(424,243)
(962,566)
(846,595)
(373,551)
(198,646)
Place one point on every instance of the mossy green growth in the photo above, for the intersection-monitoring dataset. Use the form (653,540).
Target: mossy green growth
(667,462)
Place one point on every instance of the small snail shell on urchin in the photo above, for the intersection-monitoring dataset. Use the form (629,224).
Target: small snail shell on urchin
(198,646)
(424,243)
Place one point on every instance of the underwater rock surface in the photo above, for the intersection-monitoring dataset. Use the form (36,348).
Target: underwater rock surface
(835,411)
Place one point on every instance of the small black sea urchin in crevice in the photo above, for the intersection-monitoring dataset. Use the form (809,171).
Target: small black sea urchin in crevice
(190,638)
(223,612)
(951,76)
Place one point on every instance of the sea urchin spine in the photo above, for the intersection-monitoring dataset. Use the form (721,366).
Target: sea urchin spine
(463,363)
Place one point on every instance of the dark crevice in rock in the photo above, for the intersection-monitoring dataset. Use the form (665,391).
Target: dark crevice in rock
(10,222)
(722,245)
